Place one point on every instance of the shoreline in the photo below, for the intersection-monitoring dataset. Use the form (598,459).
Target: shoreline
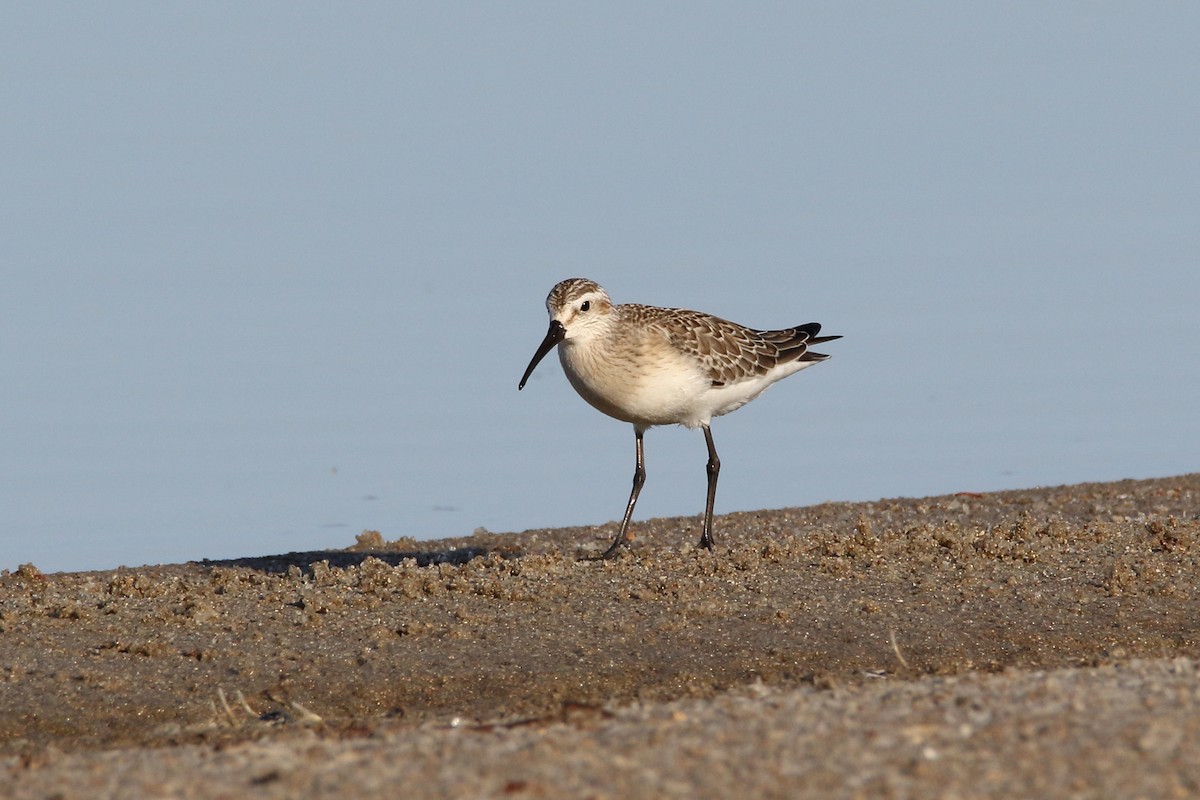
(470,647)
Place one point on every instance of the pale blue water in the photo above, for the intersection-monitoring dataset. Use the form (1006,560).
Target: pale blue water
(271,274)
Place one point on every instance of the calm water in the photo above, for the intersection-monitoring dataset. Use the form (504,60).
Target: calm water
(271,275)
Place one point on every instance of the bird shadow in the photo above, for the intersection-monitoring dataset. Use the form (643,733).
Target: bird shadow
(307,560)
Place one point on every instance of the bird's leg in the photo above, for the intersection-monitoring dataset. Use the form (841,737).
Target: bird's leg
(639,478)
(713,468)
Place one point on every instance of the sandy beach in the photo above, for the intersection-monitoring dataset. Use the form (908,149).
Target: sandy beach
(1043,642)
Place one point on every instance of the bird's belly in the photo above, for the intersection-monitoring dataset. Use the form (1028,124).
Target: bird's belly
(645,397)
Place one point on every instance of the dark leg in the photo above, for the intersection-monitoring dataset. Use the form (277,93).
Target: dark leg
(639,478)
(714,469)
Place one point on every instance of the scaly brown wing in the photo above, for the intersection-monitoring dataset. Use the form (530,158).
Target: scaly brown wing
(729,352)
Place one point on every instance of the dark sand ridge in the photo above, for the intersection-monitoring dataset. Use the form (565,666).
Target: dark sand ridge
(808,631)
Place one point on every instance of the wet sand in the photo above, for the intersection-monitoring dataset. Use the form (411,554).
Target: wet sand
(1029,643)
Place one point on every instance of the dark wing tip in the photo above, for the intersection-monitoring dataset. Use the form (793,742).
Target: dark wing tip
(792,343)
(812,329)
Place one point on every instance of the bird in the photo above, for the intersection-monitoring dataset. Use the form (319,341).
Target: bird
(649,366)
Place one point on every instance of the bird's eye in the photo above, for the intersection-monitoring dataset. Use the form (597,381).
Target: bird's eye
(585,305)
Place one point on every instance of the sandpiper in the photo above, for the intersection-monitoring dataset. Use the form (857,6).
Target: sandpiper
(663,366)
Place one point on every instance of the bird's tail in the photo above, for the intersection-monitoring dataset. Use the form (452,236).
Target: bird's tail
(801,337)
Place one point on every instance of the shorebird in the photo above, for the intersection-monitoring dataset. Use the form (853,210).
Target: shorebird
(649,366)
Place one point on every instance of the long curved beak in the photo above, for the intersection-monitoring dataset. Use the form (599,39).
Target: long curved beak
(553,336)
